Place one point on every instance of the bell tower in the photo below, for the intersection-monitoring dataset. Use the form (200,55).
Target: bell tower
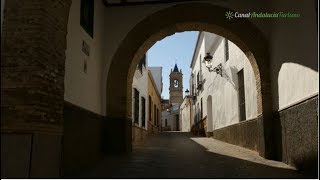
(176,87)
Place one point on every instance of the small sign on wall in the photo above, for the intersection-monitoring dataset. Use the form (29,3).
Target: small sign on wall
(85,48)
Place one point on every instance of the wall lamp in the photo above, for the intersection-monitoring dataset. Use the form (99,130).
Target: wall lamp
(187,92)
(192,97)
(208,61)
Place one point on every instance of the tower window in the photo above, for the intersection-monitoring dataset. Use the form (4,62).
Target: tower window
(176,83)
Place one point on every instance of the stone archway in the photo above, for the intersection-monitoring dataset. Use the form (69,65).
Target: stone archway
(204,17)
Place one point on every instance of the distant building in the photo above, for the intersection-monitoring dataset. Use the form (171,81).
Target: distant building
(186,114)
(146,101)
(171,109)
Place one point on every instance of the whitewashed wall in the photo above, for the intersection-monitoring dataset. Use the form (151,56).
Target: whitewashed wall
(294,54)
(140,82)
(289,56)
(224,90)
(171,117)
(185,115)
(84,89)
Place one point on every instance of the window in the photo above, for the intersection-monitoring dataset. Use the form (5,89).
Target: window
(201,111)
(159,120)
(241,95)
(166,123)
(143,113)
(136,106)
(86,16)
(154,115)
(192,84)
(150,108)
(176,83)
(177,122)
(226,49)
(198,78)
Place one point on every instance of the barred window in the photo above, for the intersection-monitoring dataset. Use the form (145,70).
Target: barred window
(86,16)
(136,106)
(143,111)
(150,108)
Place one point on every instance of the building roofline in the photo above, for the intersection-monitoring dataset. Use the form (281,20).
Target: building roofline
(196,48)
(154,84)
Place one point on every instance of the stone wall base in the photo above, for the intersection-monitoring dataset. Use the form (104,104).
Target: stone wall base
(138,135)
(299,130)
(30,155)
(295,132)
(244,134)
(88,137)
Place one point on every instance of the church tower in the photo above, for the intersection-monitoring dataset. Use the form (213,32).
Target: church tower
(176,87)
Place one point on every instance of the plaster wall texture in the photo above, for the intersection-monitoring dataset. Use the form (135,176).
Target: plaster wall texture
(171,117)
(284,50)
(157,76)
(132,15)
(140,82)
(224,90)
(294,60)
(185,115)
(156,100)
(84,89)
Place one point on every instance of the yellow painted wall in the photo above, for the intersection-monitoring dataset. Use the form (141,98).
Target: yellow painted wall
(156,100)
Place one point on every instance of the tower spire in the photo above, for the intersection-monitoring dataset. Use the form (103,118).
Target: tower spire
(175,69)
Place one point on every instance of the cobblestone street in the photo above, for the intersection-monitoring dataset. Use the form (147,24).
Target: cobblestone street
(180,155)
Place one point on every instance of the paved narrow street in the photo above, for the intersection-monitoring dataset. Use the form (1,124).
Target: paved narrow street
(180,155)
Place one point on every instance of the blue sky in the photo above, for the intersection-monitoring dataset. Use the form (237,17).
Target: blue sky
(177,48)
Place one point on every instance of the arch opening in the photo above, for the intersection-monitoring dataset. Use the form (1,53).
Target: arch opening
(209,18)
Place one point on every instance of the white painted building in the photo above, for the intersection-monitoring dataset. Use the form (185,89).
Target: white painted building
(157,76)
(224,99)
(186,115)
(140,91)
(170,118)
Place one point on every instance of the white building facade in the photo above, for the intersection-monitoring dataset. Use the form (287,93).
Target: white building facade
(170,118)
(226,98)
(186,115)
(140,94)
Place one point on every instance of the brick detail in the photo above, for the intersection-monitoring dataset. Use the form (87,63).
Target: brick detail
(33,47)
